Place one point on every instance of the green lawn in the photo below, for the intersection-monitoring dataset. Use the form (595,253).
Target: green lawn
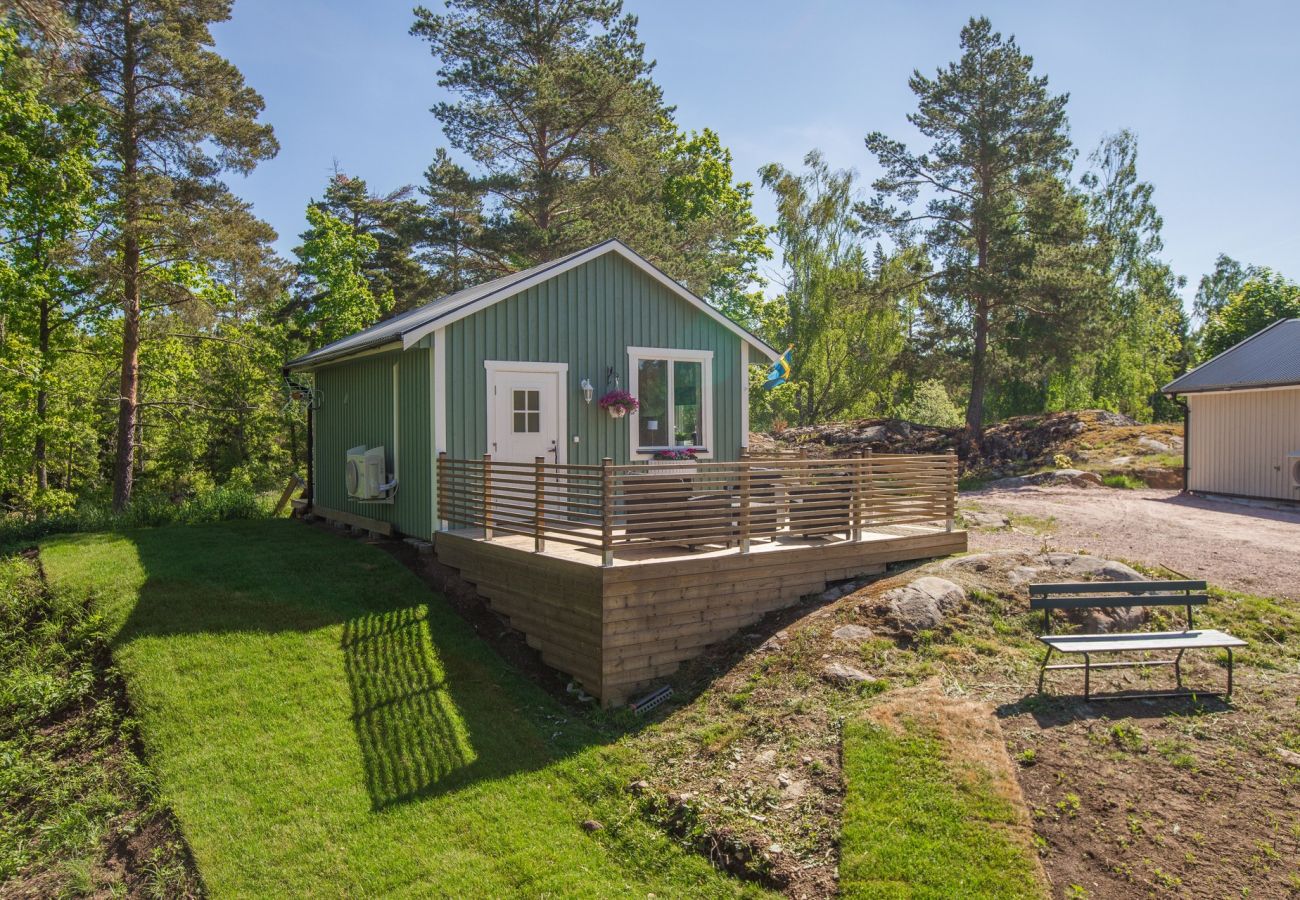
(324,725)
(914,827)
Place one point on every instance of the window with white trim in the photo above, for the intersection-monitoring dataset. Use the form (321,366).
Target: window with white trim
(675,389)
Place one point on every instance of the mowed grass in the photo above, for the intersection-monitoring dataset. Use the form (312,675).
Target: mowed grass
(323,725)
(915,827)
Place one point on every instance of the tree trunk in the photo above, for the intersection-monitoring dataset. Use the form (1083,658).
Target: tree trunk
(39,451)
(978,375)
(129,383)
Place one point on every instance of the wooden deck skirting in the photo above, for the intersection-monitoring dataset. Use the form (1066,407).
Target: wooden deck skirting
(619,628)
(619,573)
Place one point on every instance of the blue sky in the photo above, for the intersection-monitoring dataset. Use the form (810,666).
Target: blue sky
(1209,88)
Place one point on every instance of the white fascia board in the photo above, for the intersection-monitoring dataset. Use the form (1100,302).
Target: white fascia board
(506,291)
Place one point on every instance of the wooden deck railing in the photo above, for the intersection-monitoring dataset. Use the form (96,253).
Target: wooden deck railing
(695,504)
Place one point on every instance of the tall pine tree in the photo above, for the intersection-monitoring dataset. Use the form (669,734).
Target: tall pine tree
(177,115)
(990,200)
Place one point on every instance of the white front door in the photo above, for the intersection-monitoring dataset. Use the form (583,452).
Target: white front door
(525,414)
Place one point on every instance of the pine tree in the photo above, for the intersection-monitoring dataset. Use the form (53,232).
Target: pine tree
(176,115)
(990,200)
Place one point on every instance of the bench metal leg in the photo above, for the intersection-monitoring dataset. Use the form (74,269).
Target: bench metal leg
(1087,677)
(1229,694)
(1042,670)
(1178,672)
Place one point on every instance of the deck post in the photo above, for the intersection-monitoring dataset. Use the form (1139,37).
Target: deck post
(442,490)
(855,504)
(950,502)
(745,464)
(487,496)
(606,511)
(539,503)
(868,489)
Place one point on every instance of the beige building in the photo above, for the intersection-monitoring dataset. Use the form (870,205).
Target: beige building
(1243,418)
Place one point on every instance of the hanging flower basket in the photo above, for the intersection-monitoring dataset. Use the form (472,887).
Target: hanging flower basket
(619,403)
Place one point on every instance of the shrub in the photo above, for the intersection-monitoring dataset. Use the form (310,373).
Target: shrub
(931,405)
(215,504)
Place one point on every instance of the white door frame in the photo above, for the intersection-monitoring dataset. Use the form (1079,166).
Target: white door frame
(495,366)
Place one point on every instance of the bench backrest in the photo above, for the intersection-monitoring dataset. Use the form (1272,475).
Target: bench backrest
(1111,594)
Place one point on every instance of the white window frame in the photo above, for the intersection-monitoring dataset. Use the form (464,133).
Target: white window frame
(634,357)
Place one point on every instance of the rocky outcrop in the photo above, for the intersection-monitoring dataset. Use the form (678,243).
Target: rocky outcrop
(923,604)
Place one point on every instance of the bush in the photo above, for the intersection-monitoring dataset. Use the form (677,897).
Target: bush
(931,405)
(146,511)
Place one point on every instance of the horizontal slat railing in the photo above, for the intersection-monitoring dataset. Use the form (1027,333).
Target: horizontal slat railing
(695,504)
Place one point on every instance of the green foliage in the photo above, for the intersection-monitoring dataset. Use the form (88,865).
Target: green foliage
(334,297)
(572,144)
(1123,481)
(214,504)
(70,784)
(1013,277)
(299,684)
(1215,288)
(1261,301)
(931,405)
(841,312)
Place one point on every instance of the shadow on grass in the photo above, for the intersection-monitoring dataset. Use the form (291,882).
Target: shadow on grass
(434,709)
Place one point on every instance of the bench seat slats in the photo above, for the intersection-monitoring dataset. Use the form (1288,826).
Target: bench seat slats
(1112,587)
(1077,602)
(1154,640)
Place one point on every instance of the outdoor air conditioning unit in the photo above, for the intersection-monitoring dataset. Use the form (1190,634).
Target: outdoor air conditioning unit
(1293,467)
(367,474)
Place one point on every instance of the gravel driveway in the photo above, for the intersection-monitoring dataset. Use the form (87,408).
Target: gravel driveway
(1233,545)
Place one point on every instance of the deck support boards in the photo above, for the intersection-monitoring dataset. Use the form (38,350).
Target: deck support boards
(618,628)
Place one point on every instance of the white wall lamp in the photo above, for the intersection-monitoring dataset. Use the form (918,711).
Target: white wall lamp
(587,389)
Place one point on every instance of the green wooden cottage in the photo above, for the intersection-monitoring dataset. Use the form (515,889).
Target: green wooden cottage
(476,420)
(516,368)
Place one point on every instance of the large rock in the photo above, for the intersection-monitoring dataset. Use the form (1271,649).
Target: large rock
(1074,477)
(852,634)
(1075,567)
(923,604)
(844,675)
(1151,445)
(979,518)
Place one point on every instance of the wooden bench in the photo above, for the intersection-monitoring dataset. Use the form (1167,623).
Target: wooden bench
(1103,595)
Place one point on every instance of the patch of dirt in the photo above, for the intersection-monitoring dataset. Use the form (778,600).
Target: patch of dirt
(1232,545)
(1165,798)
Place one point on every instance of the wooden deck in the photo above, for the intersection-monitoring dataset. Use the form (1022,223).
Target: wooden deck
(618,625)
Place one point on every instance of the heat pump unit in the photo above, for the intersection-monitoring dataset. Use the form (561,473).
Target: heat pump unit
(367,474)
(1293,467)
(356,473)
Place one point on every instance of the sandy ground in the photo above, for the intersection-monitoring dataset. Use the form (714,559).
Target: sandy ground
(1233,545)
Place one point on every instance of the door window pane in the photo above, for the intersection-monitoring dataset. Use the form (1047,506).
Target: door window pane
(526,406)
(687,406)
(652,391)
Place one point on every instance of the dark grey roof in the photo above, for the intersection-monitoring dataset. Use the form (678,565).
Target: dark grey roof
(417,322)
(1268,358)
(391,330)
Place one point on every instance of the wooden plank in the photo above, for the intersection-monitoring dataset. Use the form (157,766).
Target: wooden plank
(1112,587)
(378,526)
(1112,601)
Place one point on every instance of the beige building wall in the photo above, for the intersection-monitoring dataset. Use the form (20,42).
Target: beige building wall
(1239,442)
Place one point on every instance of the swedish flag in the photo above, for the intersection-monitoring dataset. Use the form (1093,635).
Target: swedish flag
(779,374)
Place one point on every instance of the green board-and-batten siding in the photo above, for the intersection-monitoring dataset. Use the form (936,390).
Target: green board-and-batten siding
(357,408)
(587,317)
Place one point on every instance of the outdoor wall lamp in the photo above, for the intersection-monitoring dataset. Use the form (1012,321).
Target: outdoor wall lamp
(587,389)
